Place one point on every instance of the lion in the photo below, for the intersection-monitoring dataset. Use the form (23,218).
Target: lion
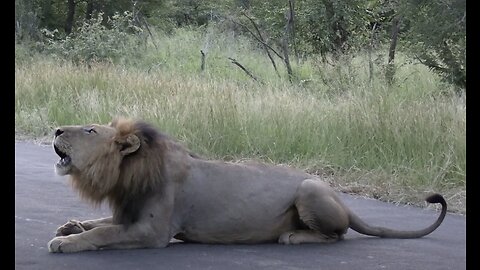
(158,190)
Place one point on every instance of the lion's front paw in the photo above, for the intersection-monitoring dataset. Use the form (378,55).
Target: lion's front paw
(67,244)
(71,227)
(55,245)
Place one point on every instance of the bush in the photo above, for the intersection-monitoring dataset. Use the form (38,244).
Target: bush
(26,21)
(96,40)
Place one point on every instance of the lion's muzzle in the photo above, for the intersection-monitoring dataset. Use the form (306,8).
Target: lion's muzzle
(64,165)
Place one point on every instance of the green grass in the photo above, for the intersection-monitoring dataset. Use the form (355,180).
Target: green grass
(395,143)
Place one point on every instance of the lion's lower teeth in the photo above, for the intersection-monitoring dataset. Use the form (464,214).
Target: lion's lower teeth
(65,161)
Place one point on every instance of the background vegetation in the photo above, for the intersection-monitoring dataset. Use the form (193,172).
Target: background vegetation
(369,94)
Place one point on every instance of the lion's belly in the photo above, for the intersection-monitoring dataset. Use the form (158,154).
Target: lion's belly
(238,205)
(241,231)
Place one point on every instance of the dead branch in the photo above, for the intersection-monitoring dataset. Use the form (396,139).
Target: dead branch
(430,64)
(202,65)
(141,21)
(257,38)
(263,42)
(243,68)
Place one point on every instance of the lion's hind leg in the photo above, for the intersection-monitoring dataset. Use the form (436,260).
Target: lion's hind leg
(319,208)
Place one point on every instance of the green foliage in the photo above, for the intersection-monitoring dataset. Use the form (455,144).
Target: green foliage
(332,26)
(190,12)
(433,32)
(26,20)
(24,54)
(96,41)
(437,37)
(327,26)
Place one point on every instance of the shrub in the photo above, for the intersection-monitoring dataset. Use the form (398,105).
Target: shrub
(96,40)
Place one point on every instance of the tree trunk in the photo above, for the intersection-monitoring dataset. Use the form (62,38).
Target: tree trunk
(291,4)
(70,16)
(339,34)
(89,10)
(370,49)
(390,72)
(288,29)
(286,59)
(47,12)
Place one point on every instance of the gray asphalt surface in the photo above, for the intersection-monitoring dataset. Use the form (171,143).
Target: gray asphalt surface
(44,201)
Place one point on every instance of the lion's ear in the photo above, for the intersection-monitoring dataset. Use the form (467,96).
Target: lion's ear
(130,145)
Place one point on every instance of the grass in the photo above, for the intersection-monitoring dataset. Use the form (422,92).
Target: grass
(394,143)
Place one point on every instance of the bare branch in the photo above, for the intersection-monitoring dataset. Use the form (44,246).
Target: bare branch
(142,21)
(202,66)
(430,64)
(244,69)
(150,33)
(257,38)
(263,42)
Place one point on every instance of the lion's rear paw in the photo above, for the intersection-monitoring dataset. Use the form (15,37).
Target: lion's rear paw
(71,227)
(285,238)
(307,236)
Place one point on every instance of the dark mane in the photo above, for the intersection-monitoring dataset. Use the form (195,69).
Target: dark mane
(152,135)
(142,172)
(148,132)
(126,181)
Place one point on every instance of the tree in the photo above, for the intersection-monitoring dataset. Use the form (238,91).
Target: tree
(433,32)
(437,37)
(332,26)
(89,10)
(26,20)
(390,72)
(70,16)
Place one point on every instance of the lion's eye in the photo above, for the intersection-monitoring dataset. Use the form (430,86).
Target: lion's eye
(90,130)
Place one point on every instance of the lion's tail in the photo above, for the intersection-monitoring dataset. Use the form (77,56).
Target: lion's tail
(360,226)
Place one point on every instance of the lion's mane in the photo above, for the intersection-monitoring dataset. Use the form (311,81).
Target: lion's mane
(125,180)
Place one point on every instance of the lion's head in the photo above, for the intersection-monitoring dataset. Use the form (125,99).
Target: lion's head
(106,161)
(79,147)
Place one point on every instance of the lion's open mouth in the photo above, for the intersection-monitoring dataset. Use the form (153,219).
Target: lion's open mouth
(65,159)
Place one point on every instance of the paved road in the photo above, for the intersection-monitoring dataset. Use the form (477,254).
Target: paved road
(44,201)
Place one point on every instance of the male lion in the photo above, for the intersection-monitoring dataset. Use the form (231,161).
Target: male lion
(159,190)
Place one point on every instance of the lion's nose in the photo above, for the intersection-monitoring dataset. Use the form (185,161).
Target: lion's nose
(58,132)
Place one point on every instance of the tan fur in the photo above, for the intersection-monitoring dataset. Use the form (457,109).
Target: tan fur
(108,171)
(159,190)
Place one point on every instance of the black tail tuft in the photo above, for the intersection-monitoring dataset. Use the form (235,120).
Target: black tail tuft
(436,198)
